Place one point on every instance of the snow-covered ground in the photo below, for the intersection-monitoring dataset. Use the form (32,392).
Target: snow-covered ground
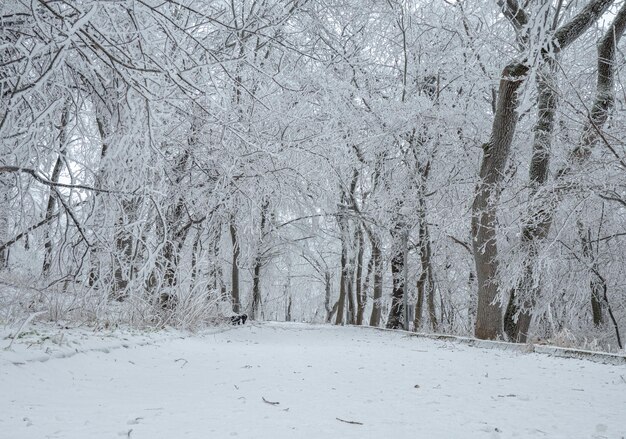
(297,381)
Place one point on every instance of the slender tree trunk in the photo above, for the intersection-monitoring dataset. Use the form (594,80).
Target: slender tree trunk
(595,284)
(351,317)
(425,283)
(258,264)
(330,311)
(419,305)
(195,249)
(122,255)
(234,273)
(361,288)
(430,298)
(350,279)
(4,224)
(346,291)
(342,282)
(377,257)
(176,232)
(102,122)
(342,221)
(288,317)
(216,274)
(396,314)
(427,277)
(256,290)
(597,308)
(50,210)
(52,198)
(601,284)
(605,88)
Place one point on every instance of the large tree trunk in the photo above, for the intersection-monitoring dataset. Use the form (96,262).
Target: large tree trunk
(484,207)
(517,317)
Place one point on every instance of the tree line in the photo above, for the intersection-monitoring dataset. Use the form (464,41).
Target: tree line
(435,166)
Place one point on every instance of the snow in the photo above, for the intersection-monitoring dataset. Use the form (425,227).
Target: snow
(223,383)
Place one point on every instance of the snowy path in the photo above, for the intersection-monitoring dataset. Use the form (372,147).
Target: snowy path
(212,386)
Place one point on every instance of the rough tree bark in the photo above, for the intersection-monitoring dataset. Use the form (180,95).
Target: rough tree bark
(484,207)
(518,316)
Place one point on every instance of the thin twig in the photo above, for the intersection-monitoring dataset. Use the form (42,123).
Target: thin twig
(181,359)
(43,180)
(463,244)
(269,402)
(349,422)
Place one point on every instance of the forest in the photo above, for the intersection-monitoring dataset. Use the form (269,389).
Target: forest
(444,166)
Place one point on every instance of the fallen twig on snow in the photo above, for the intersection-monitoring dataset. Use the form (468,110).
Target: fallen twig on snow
(349,422)
(269,402)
